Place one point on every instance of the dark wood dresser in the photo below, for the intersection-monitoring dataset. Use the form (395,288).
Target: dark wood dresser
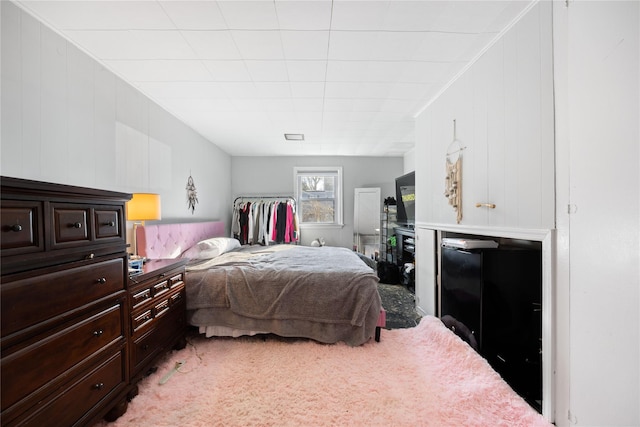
(158,313)
(64,301)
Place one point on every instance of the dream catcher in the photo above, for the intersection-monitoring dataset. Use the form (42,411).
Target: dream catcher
(453,180)
(192,194)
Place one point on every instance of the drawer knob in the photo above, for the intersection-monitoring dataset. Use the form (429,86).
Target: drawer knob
(102,280)
(16,228)
(98,333)
(111,224)
(77,225)
(98,386)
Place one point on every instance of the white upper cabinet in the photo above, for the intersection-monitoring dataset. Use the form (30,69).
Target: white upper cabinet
(503,111)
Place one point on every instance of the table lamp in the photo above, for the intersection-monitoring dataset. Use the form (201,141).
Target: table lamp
(142,207)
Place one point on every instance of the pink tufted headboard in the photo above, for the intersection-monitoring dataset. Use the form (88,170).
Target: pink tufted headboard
(170,240)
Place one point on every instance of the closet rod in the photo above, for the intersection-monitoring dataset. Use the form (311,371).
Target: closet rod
(264,196)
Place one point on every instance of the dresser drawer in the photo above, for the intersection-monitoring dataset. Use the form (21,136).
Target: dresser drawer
(21,227)
(69,406)
(158,308)
(155,288)
(164,329)
(108,222)
(70,224)
(29,301)
(27,369)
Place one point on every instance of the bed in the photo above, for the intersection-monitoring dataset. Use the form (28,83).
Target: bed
(327,294)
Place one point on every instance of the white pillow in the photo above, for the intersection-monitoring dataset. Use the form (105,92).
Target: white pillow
(211,248)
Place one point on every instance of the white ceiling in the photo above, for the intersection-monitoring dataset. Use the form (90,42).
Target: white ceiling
(349,75)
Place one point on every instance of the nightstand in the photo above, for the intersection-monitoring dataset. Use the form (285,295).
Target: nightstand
(157,308)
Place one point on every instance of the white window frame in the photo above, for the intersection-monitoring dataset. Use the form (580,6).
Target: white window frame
(336,171)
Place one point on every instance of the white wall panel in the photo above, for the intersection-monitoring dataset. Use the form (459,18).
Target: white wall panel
(11,154)
(80,84)
(104,130)
(132,166)
(603,103)
(30,94)
(53,107)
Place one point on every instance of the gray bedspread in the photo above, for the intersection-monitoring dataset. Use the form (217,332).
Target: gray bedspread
(287,283)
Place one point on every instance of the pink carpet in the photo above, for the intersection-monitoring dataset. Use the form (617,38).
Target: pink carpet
(423,376)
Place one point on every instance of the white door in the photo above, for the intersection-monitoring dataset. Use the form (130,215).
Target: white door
(366,220)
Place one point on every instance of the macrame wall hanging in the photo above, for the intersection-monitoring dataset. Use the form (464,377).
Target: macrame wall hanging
(453,180)
(192,194)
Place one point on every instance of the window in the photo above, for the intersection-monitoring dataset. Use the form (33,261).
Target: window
(319,194)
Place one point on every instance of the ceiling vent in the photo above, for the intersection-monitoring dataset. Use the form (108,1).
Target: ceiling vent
(294,136)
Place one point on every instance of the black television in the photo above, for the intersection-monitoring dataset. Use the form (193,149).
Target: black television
(406,199)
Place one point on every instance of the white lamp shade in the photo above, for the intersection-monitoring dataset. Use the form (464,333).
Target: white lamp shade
(144,207)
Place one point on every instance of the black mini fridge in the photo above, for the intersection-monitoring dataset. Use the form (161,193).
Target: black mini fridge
(492,298)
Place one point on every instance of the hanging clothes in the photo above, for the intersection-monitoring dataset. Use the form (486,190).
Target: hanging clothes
(263,221)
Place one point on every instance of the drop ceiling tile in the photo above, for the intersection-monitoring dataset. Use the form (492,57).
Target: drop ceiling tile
(160,70)
(267,71)
(195,105)
(228,71)
(307,89)
(278,105)
(273,89)
(121,45)
(345,45)
(101,15)
(212,90)
(341,89)
(248,104)
(370,71)
(212,44)
(374,90)
(372,45)
(308,118)
(304,15)
(241,90)
(333,105)
(195,15)
(359,15)
(305,44)
(283,120)
(414,15)
(368,105)
(306,71)
(308,104)
(258,44)
(249,15)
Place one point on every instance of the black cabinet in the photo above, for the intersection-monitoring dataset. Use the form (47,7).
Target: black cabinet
(388,218)
(405,254)
(492,298)
(406,245)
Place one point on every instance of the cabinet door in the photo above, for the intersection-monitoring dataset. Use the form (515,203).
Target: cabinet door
(426,288)
(502,107)
(461,292)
